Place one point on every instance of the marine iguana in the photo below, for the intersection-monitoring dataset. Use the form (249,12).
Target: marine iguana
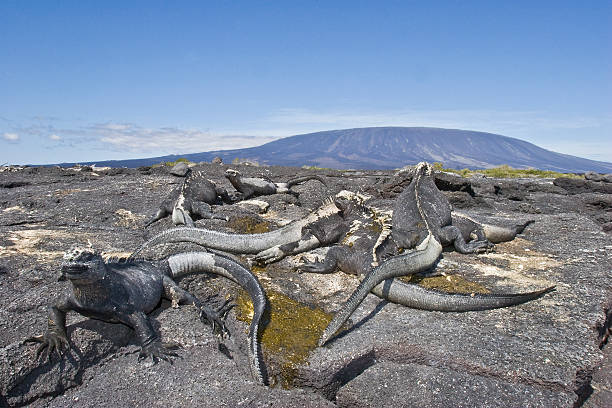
(323,226)
(475,230)
(421,221)
(125,292)
(258,186)
(193,197)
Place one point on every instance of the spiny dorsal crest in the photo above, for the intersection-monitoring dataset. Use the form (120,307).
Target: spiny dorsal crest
(350,195)
(116,257)
(384,218)
(424,166)
(326,209)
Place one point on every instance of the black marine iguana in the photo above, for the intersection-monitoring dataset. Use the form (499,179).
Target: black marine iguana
(193,197)
(421,221)
(479,231)
(258,186)
(125,292)
(323,226)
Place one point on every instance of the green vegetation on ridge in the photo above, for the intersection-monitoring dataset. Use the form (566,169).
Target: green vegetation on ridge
(506,171)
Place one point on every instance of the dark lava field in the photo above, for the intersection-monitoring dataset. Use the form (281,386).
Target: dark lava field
(550,352)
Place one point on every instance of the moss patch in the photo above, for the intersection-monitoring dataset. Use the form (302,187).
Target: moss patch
(451,284)
(506,171)
(291,331)
(248,225)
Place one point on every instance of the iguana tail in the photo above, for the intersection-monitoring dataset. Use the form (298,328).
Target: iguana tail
(413,262)
(192,262)
(239,243)
(299,180)
(235,243)
(418,297)
(497,234)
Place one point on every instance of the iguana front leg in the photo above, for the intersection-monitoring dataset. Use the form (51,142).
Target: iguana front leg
(151,345)
(161,213)
(329,264)
(55,338)
(452,235)
(204,210)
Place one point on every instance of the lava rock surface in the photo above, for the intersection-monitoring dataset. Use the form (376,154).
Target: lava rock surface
(549,352)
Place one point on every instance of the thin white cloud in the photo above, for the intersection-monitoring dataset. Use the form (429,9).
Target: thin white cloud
(175,140)
(55,137)
(10,137)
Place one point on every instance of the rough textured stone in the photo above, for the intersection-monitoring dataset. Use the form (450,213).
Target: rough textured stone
(179,169)
(412,385)
(590,175)
(451,182)
(579,186)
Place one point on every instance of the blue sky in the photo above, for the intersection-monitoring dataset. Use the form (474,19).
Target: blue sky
(86,80)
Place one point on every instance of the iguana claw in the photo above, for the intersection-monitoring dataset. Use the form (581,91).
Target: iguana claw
(216,317)
(269,255)
(158,350)
(51,342)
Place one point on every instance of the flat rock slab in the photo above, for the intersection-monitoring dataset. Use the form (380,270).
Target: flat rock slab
(388,384)
(201,380)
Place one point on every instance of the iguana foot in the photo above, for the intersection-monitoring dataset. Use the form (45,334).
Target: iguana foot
(269,255)
(158,351)
(478,247)
(313,267)
(51,342)
(216,318)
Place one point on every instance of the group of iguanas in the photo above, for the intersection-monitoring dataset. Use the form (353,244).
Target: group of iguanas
(196,194)
(409,241)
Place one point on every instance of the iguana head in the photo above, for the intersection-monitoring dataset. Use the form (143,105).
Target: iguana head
(83,265)
(347,201)
(423,168)
(231,173)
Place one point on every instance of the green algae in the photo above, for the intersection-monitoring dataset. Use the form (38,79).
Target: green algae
(291,331)
(450,283)
(248,225)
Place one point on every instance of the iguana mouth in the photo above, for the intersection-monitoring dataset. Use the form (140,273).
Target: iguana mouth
(72,270)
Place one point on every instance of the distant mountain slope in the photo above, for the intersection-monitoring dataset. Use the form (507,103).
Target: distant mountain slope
(393,147)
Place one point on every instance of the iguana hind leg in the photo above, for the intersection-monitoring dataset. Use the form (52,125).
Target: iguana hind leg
(329,264)
(452,235)
(180,296)
(204,210)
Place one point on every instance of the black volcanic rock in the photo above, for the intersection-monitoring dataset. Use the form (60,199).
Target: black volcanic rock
(550,352)
(591,175)
(578,186)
